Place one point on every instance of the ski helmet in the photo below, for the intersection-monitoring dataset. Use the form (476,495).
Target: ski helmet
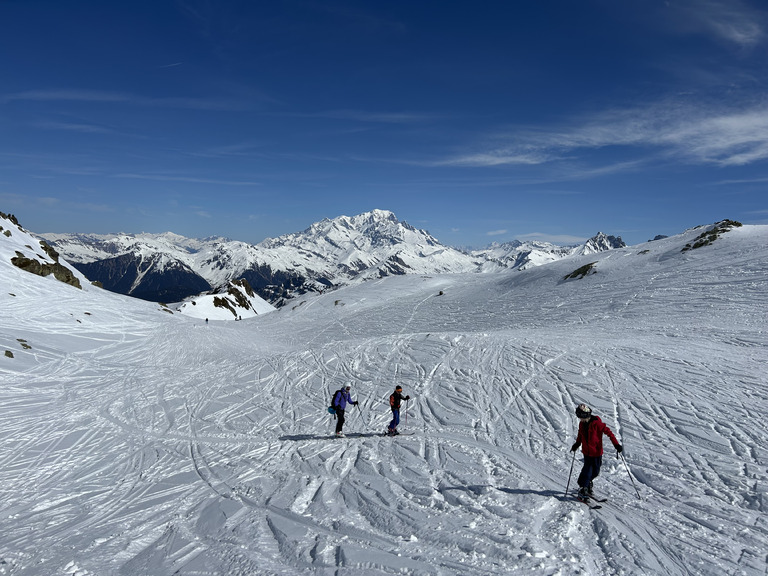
(583,411)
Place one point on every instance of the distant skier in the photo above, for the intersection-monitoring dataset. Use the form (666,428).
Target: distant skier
(590,437)
(394,403)
(340,401)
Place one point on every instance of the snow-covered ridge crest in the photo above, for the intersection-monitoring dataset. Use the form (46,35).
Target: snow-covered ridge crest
(32,255)
(237,302)
(522,255)
(374,244)
(599,243)
(328,254)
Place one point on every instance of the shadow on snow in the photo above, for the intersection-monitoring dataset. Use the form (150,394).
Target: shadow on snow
(299,437)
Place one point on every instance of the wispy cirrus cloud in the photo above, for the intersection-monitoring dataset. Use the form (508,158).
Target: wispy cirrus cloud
(369,116)
(74,127)
(28,200)
(700,135)
(733,21)
(106,97)
(494,157)
(745,181)
(64,95)
(187,179)
(562,239)
(688,133)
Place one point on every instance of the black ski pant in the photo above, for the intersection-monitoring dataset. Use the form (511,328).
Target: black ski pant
(590,470)
(340,419)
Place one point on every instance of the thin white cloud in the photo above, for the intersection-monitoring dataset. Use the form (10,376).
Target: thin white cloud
(730,20)
(561,239)
(75,95)
(497,157)
(587,173)
(370,116)
(65,95)
(725,138)
(92,207)
(740,181)
(188,179)
(496,233)
(74,127)
(28,200)
(247,149)
(692,134)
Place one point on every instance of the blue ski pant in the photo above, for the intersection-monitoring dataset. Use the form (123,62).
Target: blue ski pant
(590,470)
(395,418)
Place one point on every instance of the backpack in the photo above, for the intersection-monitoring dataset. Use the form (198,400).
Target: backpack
(332,407)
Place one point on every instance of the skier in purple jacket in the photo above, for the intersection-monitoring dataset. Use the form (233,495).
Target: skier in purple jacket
(340,401)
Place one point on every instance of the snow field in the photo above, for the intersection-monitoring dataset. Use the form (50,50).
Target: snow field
(139,442)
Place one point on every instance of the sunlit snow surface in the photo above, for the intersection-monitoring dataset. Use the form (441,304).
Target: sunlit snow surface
(134,441)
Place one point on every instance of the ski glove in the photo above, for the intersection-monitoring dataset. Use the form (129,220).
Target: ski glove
(619,448)
(355,403)
(575,447)
(407,397)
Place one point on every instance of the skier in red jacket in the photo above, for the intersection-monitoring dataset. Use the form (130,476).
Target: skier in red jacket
(394,403)
(590,438)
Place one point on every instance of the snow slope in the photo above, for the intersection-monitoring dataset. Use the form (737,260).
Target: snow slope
(239,301)
(135,441)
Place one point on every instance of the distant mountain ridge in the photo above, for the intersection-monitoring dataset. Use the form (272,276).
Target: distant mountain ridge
(330,253)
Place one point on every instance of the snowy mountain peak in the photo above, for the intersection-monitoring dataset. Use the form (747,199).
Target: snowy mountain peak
(600,243)
(521,255)
(371,229)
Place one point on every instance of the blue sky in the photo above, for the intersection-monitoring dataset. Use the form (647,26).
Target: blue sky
(478,121)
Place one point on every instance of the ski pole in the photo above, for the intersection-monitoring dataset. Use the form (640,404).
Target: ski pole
(361,413)
(630,475)
(569,473)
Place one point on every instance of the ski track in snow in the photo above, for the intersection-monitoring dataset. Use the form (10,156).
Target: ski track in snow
(135,442)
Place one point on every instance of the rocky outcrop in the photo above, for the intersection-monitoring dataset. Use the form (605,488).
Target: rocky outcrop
(42,263)
(59,271)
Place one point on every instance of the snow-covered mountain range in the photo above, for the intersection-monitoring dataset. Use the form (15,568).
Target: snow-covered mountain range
(331,253)
(136,440)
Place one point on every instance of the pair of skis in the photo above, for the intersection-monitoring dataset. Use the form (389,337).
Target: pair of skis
(591,501)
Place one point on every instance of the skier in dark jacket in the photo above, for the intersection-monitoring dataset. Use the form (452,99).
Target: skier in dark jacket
(394,403)
(590,438)
(340,401)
